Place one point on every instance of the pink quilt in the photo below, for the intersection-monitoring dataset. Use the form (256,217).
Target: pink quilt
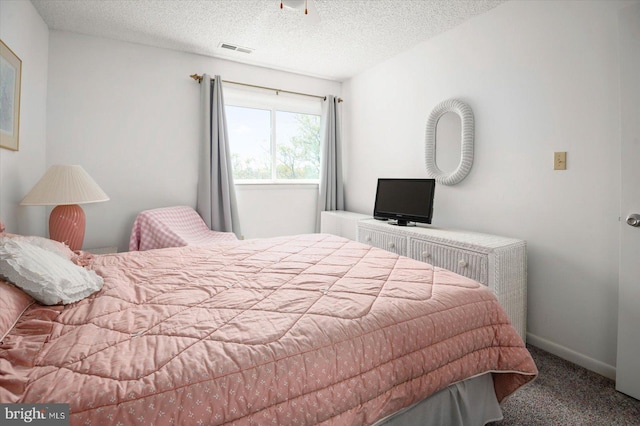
(312,329)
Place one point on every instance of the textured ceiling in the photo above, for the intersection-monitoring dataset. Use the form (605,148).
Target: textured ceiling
(338,39)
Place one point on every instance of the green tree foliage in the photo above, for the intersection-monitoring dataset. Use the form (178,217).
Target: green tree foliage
(297,158)
(300,157)
(250,168)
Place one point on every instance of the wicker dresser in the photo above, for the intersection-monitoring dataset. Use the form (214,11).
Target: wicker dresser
(341,223)
(497,262)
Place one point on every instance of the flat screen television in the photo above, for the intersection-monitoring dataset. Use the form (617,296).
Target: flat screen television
(405,200)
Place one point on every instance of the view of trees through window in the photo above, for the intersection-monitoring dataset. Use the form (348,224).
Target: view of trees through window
(273,145)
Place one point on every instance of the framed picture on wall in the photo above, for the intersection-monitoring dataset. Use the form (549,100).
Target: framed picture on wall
(10,80)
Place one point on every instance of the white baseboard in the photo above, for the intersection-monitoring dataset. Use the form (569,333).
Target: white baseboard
(570,355)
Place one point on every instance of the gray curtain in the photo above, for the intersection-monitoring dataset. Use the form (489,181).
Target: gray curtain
(331,192)
(216,201)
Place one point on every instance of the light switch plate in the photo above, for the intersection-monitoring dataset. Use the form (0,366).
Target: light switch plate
(559,161)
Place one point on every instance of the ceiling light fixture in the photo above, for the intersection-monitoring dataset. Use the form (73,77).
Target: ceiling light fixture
(295,4)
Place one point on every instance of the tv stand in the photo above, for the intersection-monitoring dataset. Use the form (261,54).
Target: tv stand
(497,262)
(400,222)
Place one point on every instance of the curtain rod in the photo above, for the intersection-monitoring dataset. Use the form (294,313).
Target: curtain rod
(198,78)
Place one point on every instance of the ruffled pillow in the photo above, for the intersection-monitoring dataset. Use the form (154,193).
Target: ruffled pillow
(81,258)
(49,277)
(61,249)
(53,246)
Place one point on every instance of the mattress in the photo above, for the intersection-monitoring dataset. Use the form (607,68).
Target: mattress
(308,329)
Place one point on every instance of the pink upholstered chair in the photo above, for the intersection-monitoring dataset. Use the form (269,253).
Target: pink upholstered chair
(172,227)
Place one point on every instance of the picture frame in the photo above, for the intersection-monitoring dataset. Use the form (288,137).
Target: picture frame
(10,83)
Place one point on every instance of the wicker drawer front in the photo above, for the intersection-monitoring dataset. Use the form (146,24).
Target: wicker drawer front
(460,261)
(390,242)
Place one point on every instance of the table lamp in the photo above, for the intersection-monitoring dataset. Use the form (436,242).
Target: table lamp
(65,187)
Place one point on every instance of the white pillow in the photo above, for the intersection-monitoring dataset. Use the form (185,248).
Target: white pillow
(46,276)
(61,249)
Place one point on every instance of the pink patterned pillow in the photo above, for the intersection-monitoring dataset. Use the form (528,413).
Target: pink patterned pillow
(13,302)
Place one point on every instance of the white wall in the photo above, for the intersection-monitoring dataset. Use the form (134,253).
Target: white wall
(26,34)
(129,115)
(274,210)
(540,77)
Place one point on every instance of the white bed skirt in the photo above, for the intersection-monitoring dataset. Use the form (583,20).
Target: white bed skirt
(471,402)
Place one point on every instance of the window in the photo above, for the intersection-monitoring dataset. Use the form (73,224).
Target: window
(273,138)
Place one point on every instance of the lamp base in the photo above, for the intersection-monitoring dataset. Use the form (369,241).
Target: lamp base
(67,224)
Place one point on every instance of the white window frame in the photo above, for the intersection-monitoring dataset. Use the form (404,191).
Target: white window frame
(273,102)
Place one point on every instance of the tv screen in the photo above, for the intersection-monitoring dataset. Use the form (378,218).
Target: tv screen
(405,200)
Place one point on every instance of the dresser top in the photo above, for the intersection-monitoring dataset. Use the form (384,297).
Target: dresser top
(346,214)
(444,235)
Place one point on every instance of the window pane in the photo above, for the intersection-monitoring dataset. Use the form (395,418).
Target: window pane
(250,142)
(297,145)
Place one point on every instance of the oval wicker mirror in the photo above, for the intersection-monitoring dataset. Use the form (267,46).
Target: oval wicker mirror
(466,142)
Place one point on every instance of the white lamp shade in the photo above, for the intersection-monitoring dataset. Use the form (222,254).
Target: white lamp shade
(64,185)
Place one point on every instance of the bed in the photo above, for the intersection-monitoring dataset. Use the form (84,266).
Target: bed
(308,329)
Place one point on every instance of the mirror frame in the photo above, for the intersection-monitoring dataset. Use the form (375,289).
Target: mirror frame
(466,148)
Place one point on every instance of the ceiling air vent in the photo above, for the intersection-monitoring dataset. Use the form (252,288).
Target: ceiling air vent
(240,49)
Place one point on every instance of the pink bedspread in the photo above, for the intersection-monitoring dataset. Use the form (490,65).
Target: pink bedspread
(301,330)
